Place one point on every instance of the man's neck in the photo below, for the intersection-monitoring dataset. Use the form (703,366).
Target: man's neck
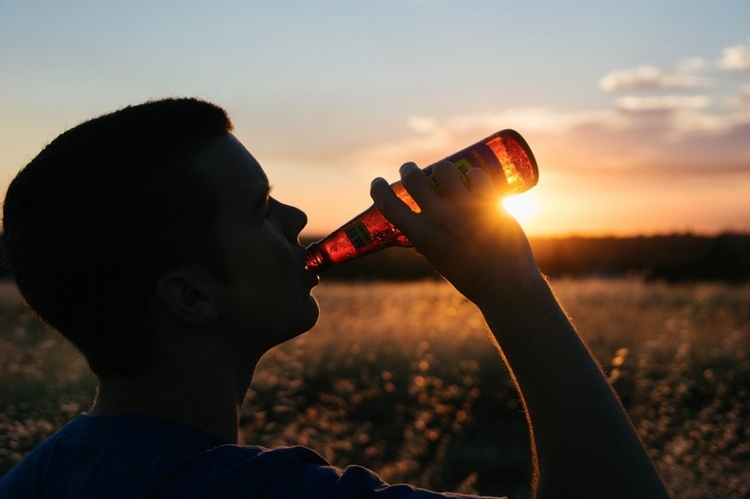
(210,401)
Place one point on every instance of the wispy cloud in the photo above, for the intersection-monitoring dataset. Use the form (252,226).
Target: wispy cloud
(645,131)
(743,98)
(685,75)
(736,58)
(434,138)
(662,102)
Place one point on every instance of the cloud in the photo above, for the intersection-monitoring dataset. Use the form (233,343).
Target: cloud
(662,103)
(528,118)
(736,58)
(643,137)
(654,78)
(421,124)
(743,99)
(436,138)
(677,135)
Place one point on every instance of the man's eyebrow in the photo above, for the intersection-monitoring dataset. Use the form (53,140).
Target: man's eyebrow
(263,198)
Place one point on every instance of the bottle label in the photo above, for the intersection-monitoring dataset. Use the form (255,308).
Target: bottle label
(358,235)
(476,156)
(462,166)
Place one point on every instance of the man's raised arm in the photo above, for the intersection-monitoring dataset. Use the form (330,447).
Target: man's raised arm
(583,442)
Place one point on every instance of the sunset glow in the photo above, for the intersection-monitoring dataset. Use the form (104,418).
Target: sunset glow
(524,207)
(631,135)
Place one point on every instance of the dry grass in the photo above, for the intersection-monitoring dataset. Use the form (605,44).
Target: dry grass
(401,378)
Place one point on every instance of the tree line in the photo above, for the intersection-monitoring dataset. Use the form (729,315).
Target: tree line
(679,257)
(672,258)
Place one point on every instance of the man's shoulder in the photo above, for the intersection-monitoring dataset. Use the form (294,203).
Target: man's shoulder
(135,457)
(250,459)
(127,455)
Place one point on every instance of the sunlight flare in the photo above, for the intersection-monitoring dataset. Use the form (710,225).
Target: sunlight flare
(524,207)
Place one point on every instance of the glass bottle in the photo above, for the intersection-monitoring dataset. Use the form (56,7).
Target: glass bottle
(505,155)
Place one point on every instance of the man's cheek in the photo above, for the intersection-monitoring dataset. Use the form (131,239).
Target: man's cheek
(262,283)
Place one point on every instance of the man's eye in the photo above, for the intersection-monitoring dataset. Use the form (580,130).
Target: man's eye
(267,207)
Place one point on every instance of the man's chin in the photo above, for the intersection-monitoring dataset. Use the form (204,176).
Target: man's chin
(313,317)
(303,320)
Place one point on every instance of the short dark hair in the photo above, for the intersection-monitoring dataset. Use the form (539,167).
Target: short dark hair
(105,209)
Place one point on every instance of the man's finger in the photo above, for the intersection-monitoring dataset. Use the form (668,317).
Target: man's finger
(480,183)
(394,210)
(418,185)
(449,179)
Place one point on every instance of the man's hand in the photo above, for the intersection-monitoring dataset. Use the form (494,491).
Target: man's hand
(461,231)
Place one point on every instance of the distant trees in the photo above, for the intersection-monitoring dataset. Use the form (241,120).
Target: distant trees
(4,273)
(723,258)
(670,258)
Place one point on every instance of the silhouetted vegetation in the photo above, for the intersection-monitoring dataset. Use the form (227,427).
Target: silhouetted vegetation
(4,274)
(670,258)
(401,378)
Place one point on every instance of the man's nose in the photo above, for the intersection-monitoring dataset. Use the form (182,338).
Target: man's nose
(295,220)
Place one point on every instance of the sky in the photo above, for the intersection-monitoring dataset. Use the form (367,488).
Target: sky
(638,112)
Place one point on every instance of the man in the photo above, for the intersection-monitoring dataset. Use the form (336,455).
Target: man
(149,238)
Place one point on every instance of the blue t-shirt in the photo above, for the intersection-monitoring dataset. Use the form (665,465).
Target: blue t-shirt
(136,456)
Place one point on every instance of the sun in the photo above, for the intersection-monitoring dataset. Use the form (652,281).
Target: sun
(523,207)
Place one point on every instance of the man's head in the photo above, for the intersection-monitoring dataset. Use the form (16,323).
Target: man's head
(104,210)
(262,294)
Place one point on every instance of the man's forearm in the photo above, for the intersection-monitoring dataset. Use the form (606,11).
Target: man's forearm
(585,445)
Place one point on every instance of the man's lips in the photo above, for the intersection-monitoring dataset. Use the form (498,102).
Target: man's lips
(311,275)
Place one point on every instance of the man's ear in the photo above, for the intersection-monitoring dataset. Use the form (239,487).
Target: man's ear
(189,294)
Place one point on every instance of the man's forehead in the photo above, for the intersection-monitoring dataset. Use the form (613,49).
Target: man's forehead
(225,160)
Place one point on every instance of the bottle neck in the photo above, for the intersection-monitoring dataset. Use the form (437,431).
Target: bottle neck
(316,261)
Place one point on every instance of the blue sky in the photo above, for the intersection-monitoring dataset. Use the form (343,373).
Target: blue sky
(638,112)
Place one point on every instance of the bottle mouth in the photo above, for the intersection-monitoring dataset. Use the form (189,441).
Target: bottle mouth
(521,171)
(314,260)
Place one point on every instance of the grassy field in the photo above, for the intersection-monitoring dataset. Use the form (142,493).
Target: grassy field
(401,378)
